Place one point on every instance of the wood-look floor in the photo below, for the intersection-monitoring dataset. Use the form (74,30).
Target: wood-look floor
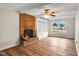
(50,46)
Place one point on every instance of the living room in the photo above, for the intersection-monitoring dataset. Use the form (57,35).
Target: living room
(60,27)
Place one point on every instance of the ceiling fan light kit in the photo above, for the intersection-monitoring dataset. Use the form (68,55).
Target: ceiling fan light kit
(48,13)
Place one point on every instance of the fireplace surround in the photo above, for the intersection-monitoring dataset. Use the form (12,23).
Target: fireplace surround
(29,32)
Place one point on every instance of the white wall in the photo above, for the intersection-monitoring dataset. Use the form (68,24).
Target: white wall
(70,29)
(42,28)
(9,28)
(77,30)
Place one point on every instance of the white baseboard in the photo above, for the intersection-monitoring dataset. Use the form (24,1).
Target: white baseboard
(77,49)
(8,47)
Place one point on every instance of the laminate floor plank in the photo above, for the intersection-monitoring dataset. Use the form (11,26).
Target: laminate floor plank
(49,46)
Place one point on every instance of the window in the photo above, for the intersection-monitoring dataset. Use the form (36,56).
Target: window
(59,25)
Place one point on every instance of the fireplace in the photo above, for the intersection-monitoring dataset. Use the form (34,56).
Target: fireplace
(29,32)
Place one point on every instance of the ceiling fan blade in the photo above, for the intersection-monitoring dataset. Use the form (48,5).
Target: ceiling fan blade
(53,15)
(53,12)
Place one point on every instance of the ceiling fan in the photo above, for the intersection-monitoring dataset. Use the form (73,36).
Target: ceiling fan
(48,12)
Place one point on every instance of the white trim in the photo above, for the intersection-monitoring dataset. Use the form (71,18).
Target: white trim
(76,48)
(8,47)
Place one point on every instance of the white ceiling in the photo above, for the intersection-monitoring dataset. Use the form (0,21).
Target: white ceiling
(21,6)
(62,10)
(11,6)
